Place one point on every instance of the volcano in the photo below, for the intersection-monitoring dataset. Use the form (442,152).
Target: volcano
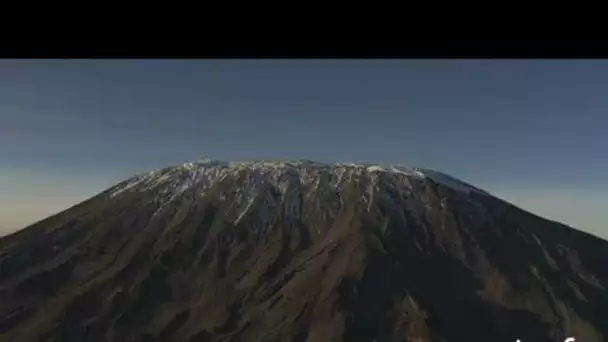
(300,251)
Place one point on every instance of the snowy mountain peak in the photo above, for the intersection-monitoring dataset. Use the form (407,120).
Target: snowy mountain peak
(299,176)
(298,163)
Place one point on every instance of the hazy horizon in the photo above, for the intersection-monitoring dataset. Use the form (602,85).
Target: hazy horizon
(530,132)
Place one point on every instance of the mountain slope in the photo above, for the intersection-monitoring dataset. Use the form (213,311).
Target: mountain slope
(300,251)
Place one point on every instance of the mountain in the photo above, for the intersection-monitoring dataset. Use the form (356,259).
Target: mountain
(300,252)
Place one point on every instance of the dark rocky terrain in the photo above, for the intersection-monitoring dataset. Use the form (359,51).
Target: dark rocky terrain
(300,252)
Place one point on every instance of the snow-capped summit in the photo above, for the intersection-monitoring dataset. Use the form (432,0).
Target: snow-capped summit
(205,173)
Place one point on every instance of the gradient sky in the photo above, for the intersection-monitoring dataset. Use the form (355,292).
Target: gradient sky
(533,132)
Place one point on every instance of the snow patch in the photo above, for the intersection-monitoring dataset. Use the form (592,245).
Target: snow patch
(375,168)
(129,185)
(450,182)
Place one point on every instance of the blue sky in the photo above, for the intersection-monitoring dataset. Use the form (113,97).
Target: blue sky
(529,131)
